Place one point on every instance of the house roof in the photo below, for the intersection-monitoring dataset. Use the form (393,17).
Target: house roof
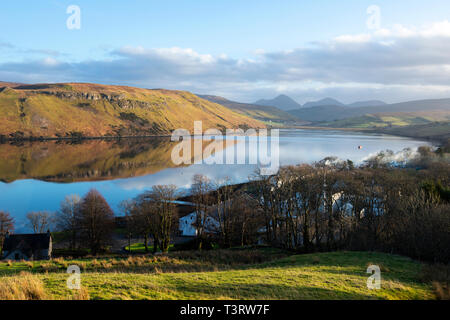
(27,243)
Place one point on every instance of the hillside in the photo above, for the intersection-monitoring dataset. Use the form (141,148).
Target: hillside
(335,112)
(282,102)
(227,274)
(263,113)
(439,131)
(390,119)
(323,102)
(68,109)
(368,103)
(319,113)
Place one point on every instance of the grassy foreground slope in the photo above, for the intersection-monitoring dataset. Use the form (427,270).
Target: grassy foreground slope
(338,275)
(51,110)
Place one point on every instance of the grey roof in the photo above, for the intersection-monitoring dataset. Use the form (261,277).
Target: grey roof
(27,243)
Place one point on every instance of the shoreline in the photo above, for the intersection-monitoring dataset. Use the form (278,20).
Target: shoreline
(437,141)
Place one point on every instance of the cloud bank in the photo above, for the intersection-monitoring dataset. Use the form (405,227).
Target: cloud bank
(392,64)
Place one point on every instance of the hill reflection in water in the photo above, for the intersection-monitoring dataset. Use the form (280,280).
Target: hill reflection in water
(89,160)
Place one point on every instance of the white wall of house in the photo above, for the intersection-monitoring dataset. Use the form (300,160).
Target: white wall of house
(187,228)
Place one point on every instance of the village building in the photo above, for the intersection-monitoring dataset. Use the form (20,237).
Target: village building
(27,246)
(187,226)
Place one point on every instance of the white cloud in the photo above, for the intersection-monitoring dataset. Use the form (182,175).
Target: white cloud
(393,64)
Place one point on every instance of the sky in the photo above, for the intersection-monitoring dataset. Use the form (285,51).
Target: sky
(244,50)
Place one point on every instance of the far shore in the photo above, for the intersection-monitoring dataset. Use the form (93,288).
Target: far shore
(435,140)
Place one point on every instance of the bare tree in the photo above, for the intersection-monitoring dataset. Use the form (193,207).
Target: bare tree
(224,196)
(66,218)
(154,213)
(40,221)
(201,194)
(164,202)
(6,225)
(96,221)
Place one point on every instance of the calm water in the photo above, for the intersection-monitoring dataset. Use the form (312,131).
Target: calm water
(37,176)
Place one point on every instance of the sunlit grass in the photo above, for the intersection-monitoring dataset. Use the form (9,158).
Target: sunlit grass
(339,275)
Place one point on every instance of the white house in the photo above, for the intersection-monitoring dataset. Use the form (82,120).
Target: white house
(187,227)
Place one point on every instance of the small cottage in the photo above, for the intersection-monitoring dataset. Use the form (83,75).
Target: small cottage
(187,227)
(27,246)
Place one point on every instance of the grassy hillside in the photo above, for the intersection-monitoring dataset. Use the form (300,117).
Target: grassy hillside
(433,131)
(51,110)
(213,275)
(267,114)
(391,119)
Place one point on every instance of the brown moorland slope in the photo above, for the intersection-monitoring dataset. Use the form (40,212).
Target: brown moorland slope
(94,110)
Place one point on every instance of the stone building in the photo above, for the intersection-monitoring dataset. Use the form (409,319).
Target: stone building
(27,246)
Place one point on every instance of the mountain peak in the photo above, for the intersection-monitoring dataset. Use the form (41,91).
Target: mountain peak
(282,102)
(323,102)
(369,103)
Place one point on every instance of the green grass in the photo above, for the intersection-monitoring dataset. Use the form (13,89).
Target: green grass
(140,248)
(191,275)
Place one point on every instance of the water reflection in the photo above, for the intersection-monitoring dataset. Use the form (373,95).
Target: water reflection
(92,160)
(37,176)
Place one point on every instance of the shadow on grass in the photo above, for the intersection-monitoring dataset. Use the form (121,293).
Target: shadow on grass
(261,291)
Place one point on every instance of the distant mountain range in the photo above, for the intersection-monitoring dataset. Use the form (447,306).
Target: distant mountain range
(334,112)
(264,113)
(283,102)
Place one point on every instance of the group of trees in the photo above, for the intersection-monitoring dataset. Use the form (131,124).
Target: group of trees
(235,213)
(153,214)
(332,205)
(321,207)
(336,206)
(88,222)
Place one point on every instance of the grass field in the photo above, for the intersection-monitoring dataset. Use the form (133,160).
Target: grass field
(140,248)
(231,274)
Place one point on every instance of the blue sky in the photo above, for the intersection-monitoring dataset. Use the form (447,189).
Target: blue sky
(242,49)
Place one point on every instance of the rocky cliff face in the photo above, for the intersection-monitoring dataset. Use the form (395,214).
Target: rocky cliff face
(119,99)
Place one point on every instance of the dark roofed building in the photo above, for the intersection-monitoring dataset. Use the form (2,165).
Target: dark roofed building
(27,246)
